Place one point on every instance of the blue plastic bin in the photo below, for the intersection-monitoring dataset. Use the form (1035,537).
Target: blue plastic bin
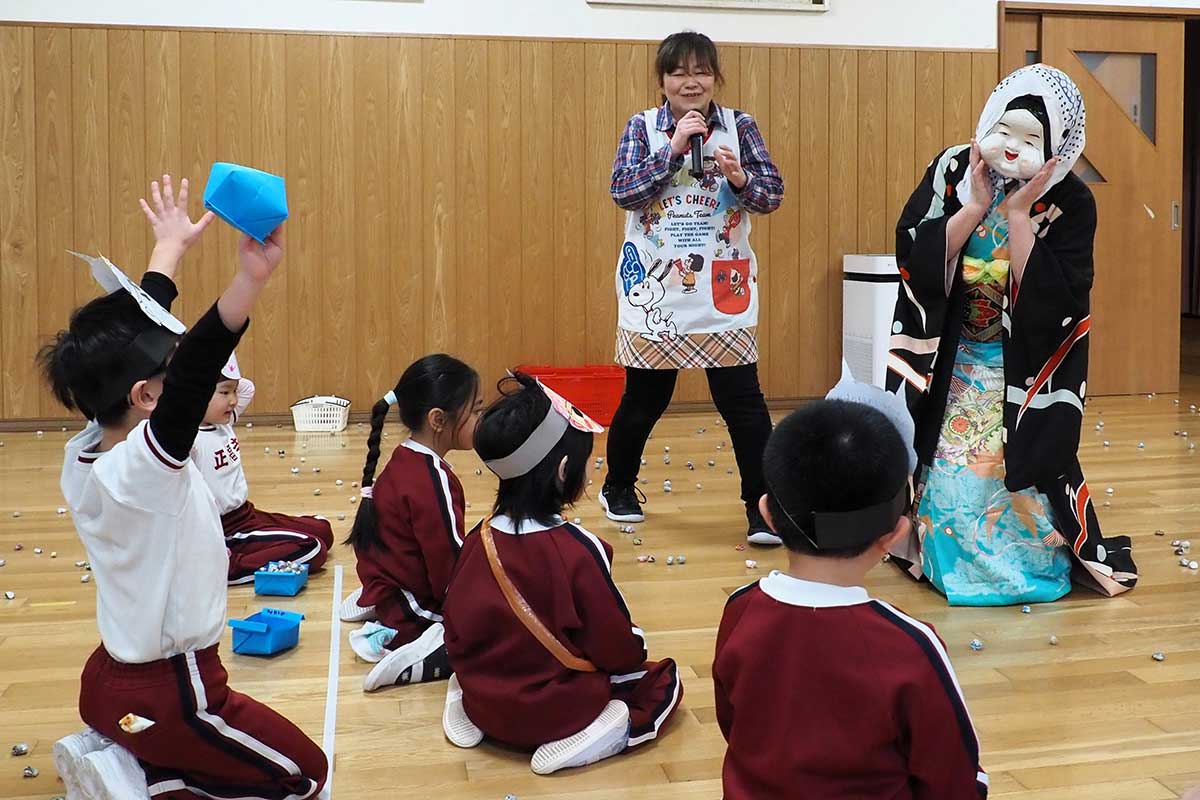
(284,584)
(267,632)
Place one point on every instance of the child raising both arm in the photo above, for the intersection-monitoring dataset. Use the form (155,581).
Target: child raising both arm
(152,534)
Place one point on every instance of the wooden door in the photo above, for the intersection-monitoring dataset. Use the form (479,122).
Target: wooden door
(1020,44)
(1131,74)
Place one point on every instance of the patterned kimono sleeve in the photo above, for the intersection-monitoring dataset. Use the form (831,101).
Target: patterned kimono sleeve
(922,302)
(1058,277)
(1047,329)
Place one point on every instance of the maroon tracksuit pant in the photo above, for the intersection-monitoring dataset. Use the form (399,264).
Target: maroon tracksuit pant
(207,740)
(256,538)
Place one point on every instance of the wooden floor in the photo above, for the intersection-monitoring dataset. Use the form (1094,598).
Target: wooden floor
(1094,717)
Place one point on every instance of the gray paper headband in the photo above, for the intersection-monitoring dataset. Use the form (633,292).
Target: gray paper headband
(539,444)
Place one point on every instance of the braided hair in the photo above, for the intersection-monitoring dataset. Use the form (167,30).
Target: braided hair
(436,381)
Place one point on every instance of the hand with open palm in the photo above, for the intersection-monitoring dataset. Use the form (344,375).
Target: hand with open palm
(1021,201)
(174,231)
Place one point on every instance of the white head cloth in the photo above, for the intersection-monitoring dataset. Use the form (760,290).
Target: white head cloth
(1064,108)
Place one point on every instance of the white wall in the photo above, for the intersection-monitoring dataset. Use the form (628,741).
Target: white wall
(899,23)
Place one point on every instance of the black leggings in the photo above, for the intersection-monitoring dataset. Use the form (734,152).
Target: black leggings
(738,398)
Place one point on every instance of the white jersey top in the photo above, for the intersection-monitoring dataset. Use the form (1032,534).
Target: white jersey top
(217,454)
(153,536)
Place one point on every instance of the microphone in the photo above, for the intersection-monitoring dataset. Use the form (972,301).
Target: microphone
(697,170)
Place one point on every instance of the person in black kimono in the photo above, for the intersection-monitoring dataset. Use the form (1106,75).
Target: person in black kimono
(990,348)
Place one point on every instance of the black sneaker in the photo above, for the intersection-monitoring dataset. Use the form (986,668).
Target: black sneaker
(421,660)
(621,504)
(759,532)
(434,667)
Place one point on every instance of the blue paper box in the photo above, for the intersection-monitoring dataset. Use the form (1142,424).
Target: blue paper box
(250,200)
(285,584)
(267,632)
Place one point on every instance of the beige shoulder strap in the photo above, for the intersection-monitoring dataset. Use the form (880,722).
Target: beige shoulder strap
(520,607)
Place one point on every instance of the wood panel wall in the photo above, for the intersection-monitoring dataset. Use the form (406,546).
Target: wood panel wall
(445,193)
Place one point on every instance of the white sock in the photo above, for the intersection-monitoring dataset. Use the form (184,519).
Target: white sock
(370,641)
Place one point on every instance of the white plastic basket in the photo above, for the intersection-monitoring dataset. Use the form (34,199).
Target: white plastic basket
(321,413)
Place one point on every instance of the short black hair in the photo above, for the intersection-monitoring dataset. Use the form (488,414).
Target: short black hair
(675,50)
(538,495)
(830,456)
(95,344)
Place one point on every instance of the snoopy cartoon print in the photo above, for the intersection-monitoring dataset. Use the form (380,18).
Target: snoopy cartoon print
(647,296)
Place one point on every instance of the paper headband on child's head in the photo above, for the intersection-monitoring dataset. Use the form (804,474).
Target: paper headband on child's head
(891,405)
(545,436)
(148,350)
(231,371)
(840,530)
(112,279)
(843,530)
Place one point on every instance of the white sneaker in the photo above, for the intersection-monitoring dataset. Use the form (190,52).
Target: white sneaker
(407,664)
(69,751)
(455,723)
(606,736)
(370,641)
(764,538)
(351,611)
(112,774)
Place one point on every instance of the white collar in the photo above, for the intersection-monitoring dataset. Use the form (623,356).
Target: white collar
(417,447)
(506,524)
(810,594)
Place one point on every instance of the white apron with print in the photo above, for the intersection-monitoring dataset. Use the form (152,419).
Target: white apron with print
(686,266)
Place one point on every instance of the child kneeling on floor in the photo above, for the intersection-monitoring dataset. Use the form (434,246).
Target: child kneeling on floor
(409,526)
(544,652)
(164,722)
(822,691)
(254,538)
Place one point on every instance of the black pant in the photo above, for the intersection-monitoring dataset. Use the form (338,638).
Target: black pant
(738,398)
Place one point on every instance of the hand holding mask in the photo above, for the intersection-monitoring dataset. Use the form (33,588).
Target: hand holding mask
(1020,201)
(982,191)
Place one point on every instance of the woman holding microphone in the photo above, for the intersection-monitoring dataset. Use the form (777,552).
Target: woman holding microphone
(689,174)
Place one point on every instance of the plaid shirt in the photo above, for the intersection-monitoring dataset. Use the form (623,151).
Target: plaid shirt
(639,175)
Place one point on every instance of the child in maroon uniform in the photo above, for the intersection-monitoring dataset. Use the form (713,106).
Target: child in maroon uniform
(544,651)
(254,538)
(821,691)
(409,526)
